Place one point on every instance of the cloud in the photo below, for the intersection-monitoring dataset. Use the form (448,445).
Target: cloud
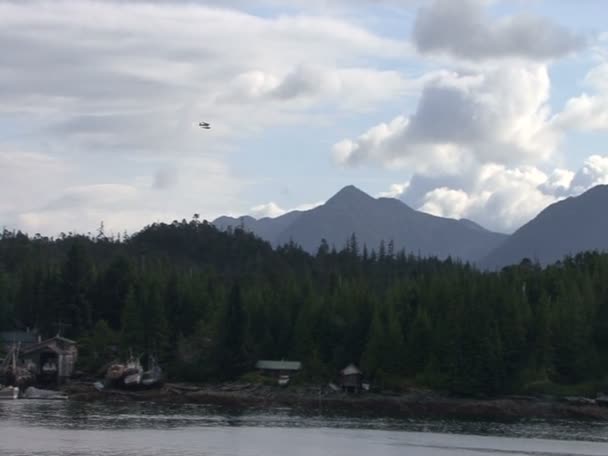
(594,172)
(558,183)
(166,177)
(107,75)
(110,93)
(498,197)
(25,179)
(60,199)
(587,112)
(499,115)
(307,85)
(584,113)
(461,28)
(273,210)
(395,190)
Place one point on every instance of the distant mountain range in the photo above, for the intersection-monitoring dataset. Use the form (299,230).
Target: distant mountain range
(570,226)
(372,220)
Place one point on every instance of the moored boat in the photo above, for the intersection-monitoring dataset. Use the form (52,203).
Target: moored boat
(9,392)
(37,393)
(133,372)
(153,376)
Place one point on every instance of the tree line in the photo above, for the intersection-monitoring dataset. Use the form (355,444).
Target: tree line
(209,304)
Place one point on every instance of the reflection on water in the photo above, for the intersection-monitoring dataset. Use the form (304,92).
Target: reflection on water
(45,428)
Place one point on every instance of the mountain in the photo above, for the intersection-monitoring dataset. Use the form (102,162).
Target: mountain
(573,225)
(372,220)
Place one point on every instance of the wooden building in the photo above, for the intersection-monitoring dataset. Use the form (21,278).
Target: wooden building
(52,360)
(278,368)
(351,379)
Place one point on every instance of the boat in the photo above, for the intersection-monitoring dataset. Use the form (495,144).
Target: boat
(36,393)
(153,376)
(133,372)
(283,380)
(9,392)
(115,372)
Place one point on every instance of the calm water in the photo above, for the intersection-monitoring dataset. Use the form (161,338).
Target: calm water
(44,428)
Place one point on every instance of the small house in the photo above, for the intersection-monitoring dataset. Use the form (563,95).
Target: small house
(51,360)
(351,379)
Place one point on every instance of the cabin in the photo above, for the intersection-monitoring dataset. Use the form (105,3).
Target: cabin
(351,379)
(51,360)
(278,368)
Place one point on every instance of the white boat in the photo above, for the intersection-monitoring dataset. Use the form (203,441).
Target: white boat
(36,393)
(9,392)
(133,379)
(153,376)
(133,372)
(284,380)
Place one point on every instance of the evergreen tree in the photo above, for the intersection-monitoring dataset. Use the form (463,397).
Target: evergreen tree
(230,357)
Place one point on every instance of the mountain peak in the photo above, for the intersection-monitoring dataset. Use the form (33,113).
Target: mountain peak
(377,220)
(350,193)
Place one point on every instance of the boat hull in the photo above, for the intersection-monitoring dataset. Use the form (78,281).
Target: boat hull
(9,393)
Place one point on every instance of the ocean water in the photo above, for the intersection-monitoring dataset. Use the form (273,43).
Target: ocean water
(45,428)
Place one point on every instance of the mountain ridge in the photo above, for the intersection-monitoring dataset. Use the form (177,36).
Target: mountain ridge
(570,226)
(372,220)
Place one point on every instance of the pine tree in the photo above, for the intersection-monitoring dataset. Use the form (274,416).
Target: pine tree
(230,357)
(132,327)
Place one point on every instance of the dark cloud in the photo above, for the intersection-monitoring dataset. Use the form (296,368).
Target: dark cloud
(461,28)
(165,178)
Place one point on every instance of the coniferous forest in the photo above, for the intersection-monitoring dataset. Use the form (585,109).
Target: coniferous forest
(209,304)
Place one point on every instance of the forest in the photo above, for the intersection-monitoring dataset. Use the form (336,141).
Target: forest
(209,304)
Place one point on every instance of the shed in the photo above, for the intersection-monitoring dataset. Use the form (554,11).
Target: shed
(351,379)
(279,367)
(51,360)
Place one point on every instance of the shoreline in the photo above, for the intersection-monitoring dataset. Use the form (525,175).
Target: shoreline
(424,404)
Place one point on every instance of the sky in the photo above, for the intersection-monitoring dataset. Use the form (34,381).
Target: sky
(482,109)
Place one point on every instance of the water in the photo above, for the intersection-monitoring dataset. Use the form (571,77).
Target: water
(49,428)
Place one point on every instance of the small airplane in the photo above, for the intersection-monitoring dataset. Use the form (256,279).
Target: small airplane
(204,125)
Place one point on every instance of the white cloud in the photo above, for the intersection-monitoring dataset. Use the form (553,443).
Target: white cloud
(461,28)
(25,178)
(587,112)
(273,210)
(498,197)
(308,85)
(500,115)
(60,199)
(116,90)
(395,190)
(594,172)
(270,209)
(558,183)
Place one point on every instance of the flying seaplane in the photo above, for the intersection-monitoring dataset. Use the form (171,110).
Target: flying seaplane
(204,125)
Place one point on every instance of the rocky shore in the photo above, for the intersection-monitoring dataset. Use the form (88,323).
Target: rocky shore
(420,403)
